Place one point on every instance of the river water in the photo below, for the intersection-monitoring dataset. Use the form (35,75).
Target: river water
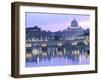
(67,60)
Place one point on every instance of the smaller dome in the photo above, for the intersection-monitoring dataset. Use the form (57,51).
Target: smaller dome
(74,23)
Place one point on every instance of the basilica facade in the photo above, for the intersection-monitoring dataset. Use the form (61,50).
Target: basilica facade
(74,31)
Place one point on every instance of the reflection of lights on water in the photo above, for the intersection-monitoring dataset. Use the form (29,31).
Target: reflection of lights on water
(66,61)
(62,60)
(65,51)
(59,44)
(59,53)
(55,53)
(76,52)
(38,60)
(74,43)
(28,44)
(35,52)
(80,58)
(51,61)
(28,55)
(84,57)
(44,54)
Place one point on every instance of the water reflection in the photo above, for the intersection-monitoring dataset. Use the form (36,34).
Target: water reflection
(56,57)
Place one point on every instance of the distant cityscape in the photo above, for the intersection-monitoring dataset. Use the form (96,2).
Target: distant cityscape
(70,42)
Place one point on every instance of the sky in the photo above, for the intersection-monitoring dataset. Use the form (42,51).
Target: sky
(55,22)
